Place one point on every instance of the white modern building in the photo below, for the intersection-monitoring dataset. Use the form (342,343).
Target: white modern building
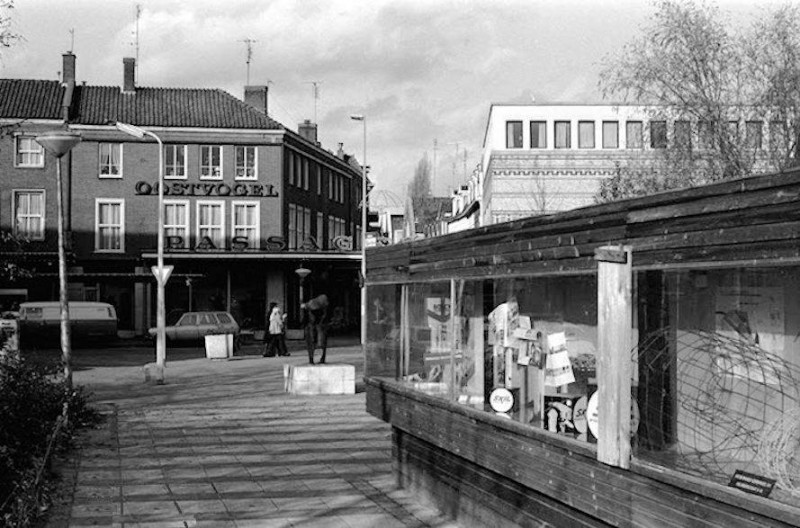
(545,158)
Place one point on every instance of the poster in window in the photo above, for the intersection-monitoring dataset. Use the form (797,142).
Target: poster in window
(558,368)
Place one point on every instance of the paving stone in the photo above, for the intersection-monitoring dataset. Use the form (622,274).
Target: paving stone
(222,445)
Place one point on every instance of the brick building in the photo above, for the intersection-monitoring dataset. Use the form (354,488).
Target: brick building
(246,201)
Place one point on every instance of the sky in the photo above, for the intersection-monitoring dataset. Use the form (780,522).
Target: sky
(423,72)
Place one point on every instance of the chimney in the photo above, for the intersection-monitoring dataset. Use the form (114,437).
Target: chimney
(256,96)
(340,151)
(308,130)
(129,68)
(69,67)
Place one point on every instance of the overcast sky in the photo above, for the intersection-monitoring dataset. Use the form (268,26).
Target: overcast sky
(420,70)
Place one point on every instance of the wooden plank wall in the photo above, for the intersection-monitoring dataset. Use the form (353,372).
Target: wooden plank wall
(493,460)
(742,220)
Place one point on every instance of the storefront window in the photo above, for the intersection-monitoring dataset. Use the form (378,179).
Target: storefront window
(522,348)
(717,372)
(383,350)
(427,361)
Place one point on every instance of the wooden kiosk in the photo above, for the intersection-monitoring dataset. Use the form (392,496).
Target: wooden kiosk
(628,364)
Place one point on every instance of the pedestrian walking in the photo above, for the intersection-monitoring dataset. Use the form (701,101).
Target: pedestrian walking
(276,340)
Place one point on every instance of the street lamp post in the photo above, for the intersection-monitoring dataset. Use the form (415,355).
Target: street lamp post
(160,271)
(363,119)
(59,143)
(302,273)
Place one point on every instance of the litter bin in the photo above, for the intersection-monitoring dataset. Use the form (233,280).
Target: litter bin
(219,346)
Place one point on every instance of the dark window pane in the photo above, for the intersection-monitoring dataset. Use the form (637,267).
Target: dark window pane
(538,134)
(514,134)
(658,134)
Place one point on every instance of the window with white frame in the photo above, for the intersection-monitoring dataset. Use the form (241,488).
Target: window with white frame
(538,134)
(109,231)
(176,222)
(306,232)
(110,160)
(658,134)
(320,227)
(754,134)
(336,227)
(210,162)
(291,167)
(706,134)
(246,163)
(305,175)
(245,222)
(211,222)
(683,134)
(513,134)
(299,225)
(778,136)
(319,180)
(292,226)
(634,135)
(28,153)
(610,134)
(29,214)
(175,161)
(562,134)
(585,134)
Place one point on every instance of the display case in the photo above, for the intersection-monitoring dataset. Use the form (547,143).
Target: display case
(627,364)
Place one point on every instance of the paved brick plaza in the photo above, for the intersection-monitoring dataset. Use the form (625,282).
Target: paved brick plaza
(222,445)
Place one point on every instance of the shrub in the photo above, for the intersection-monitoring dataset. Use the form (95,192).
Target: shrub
(33,399)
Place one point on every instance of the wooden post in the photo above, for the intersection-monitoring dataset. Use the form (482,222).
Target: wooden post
(405,333)
(453,342)
(614,309)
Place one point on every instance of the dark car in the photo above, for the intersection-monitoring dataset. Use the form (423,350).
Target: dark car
(194,326)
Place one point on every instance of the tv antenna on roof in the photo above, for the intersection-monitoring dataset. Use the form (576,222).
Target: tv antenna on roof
(249,44)
(458,144)
(315,93)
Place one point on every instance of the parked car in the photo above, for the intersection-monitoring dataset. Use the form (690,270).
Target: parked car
(194,326)
(41,321)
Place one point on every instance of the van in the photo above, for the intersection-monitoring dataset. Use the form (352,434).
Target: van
(41,321)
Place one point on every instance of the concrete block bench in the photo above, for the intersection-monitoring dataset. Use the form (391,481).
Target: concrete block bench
(319,379)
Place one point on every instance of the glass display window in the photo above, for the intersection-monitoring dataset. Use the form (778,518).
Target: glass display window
(525,343)
(718,374)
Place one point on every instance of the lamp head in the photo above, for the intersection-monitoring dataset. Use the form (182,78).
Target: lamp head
(131,130)
(58,142)
(357,117)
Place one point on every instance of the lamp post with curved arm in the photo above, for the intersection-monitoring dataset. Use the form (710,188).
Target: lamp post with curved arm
(161,272)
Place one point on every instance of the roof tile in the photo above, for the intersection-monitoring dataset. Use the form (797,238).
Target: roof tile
(158,107)
(30,99)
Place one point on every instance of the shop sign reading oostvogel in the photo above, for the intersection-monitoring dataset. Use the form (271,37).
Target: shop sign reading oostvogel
(207,189)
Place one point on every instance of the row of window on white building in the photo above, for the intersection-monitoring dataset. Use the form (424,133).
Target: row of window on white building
(636,133)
